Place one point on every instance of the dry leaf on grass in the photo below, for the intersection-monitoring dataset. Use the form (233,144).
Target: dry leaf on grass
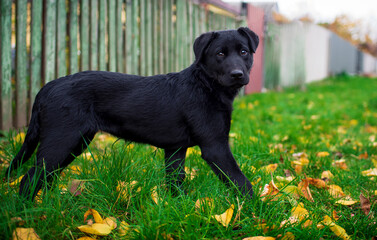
(303,186)
(336,191)
(338,230)
(346,201)
(269,168)
(370,172)
(204,204)
(25,234)
(327,175)
(270,192)
(323,154)
(365,204)
(298,214)
(225,218)
(340,164)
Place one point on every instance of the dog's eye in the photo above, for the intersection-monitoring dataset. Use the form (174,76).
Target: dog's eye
(243,52)
(220,54)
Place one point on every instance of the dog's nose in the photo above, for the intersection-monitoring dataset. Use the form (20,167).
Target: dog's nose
(236,74)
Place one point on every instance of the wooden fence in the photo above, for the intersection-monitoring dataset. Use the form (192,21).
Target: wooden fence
(45,39)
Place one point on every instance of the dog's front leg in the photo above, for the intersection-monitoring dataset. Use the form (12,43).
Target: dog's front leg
(222,162)
(175,168)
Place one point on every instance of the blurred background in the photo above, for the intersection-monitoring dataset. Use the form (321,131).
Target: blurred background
(301,41)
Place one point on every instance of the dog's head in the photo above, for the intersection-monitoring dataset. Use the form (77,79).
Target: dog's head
(227,56)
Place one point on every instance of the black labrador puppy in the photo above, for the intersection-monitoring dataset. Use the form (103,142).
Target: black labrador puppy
(173,111)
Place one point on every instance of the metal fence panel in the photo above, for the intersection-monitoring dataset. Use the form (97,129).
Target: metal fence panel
(343,56)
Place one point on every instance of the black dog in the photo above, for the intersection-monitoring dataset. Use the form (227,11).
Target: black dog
(173,112)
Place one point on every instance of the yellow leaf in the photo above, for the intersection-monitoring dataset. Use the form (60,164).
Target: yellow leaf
(100,229)
(123,228)
(318,183)
(347,201)
(97,217)
(288,236)
(327,174)
(303,186)
(154,195)
(25,234)
(270,191)
(292,191)
(336,191)
(298,214)
(190,173)
(204,203)
(269,168)
(323,154)
(370,172)
(111,221)
(338,230)
(86,238)
(341,164)
(285,179)
(225,218)
(191,151)
(19,137)
(16,182)
(259,238)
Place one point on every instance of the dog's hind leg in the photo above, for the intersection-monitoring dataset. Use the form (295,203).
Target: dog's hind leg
(175,168)
(52,157)
(29,145)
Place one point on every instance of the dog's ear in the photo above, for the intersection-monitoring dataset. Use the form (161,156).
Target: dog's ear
(251,36)
(202,43)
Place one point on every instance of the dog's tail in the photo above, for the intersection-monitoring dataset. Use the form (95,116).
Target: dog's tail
(30,142)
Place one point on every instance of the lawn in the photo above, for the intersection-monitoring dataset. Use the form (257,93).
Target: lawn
(311,156)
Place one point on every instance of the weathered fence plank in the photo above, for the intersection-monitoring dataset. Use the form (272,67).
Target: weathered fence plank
(119,36)
(21,81)
(93,34)
(112,36)
(6,65)
(49,40)
(84,35)
(35,51)
(102,35)
(73,58)
(61,32)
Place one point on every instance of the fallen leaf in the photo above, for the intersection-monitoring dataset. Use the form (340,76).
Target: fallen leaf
(340,164)
(335,215)
(346,201)
(86,238)
(100,229)
(336,191)
(292,191)
(288,236)
(363,156)
(298,214)
(111,221)
(190,173)
(303,186)
(370,172)
(204,204)
(97,217)
(25,234)
(327,174)
(285,179)
(269,168)
(123,229)
(16,182)
(270,191)
(323,154)
(318,183)
(225,218)
(76,187)
(365,204)
(338,230)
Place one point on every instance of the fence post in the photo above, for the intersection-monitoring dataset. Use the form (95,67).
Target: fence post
(49,40)
(84,35)
(35,51)
(93,35)
(21,81)
(73,60)
(6,65)
(61,31)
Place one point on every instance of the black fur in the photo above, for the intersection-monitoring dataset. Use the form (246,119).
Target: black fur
(173,112)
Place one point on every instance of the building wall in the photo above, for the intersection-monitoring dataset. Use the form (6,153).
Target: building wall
(317,40)
(369,64)
(255,21)
(343,56)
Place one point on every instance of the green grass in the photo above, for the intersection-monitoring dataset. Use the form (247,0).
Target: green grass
(337,115)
